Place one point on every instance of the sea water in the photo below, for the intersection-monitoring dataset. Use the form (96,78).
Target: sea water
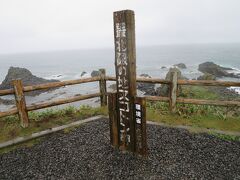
(66,65)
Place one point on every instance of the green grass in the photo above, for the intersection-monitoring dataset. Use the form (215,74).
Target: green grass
(201,116)
(27,144)
(210,121)
(226,137)
(198,92)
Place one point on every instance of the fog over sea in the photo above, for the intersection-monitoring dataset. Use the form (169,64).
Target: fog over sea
(65,65)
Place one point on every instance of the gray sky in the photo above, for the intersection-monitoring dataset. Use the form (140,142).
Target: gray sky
(44,25)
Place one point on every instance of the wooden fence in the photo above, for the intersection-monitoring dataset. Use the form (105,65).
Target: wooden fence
(173,86)
(22,108)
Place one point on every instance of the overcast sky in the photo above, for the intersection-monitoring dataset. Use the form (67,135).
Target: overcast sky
(45,25)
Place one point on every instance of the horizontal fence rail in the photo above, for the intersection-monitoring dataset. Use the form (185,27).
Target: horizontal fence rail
(208,83)
(144,80)
(62,101)
(51,85)
(183,82)
(6,92)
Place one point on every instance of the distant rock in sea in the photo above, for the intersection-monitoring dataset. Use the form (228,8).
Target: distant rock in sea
(147,88)
(27,78)
(180,65)
(216,70)
(163,90)
(83,73)
(95,73)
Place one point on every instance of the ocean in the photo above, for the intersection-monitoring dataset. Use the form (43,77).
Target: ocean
(65,65)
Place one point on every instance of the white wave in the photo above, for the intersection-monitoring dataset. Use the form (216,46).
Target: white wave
(234,71)
(236,89)
(56,76)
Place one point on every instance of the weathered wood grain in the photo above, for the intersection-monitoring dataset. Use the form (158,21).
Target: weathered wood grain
(20,102)
(125,66)
(113,120)
(157,98)
(62,101)
(103,87)
(59,84)
(140,127)
(9,112)
(208,83)
(173,91)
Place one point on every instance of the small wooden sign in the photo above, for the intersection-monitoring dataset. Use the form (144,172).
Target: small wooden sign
(140,126)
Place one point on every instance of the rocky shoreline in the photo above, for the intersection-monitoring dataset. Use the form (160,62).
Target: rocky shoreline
(210,71)
(27,78)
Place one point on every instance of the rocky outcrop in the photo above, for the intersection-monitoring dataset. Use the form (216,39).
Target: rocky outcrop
(27,78)
(163,90)
(216,70)
(83,73)
(95,73)
(180,65)
(147,88)
(207,76)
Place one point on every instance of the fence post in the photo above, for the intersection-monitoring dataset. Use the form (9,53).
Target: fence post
(103,87)
(20,102)
(173,91)
(113,121)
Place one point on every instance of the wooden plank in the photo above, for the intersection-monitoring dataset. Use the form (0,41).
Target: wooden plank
(110,78)
(157,98)
(59,84)
(208,83)
(6,92)
(173,91)
(144,80)
(103,87)
(62,101)
(208,102)
(50,85)
(113,121)
(140,125)
(153,80)
(125,63)
(9,112)
(20,102)
(183,82)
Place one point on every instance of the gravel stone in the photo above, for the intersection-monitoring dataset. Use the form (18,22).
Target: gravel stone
(85,153)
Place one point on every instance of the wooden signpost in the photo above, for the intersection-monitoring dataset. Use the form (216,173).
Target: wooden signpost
(127,124)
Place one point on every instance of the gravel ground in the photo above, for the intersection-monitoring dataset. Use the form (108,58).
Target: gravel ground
(85,153)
